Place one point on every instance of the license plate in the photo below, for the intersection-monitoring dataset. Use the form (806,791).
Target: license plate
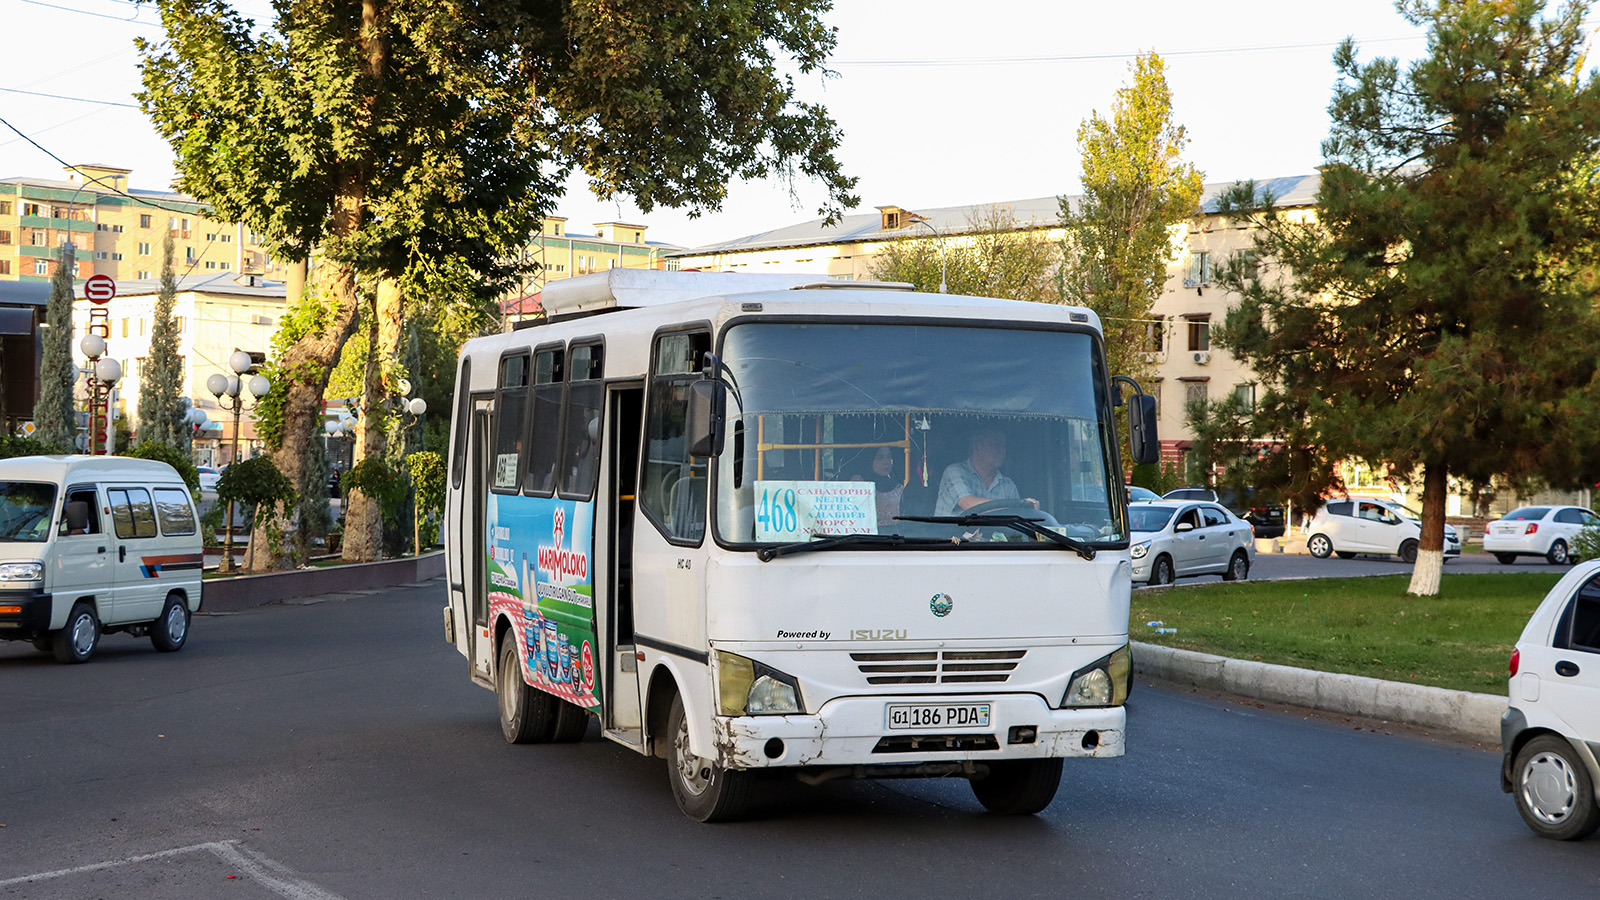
(939,715)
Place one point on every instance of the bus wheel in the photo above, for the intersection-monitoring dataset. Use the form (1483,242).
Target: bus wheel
(572,723)
(527,714)
(1019,787)
(705,791)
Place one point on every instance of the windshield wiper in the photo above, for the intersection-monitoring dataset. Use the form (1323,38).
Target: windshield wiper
(1021,523)
(768,554)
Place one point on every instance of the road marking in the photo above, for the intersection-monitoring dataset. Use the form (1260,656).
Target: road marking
(269,873)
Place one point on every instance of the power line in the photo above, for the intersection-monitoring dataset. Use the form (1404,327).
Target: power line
(74,99)
(102,188)
(130,21)
(1086,57)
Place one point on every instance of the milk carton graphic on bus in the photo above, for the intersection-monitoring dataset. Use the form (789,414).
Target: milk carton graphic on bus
(543,576)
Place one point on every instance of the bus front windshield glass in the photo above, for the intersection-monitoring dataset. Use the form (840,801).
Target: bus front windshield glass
(861,429)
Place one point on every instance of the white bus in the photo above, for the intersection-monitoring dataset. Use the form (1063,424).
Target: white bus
(751,522)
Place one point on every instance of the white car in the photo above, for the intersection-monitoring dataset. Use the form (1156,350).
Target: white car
(1363,525)
(1176,538)
(1551,727)
(1546,531)
(208,479)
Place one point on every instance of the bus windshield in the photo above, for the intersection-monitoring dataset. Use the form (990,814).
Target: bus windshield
(854,428)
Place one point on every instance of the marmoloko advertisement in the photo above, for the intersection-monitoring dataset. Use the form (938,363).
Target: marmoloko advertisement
(540,551)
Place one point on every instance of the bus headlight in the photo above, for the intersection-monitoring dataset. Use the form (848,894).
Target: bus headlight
(23,571)
(1137,551)
(748,688)
(1104,682)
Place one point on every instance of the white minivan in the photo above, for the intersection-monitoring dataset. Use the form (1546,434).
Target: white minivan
(92,545)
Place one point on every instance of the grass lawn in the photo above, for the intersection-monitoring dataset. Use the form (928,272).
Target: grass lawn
(1461,639)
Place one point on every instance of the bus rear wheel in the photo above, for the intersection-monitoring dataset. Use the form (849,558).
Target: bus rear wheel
(1019,787)
(705,791)
(527,714)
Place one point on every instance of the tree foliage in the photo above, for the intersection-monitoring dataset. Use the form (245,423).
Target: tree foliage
(428,475)
(993,256)
(53,418)
(172,456)
(1437,315)
(11,447)
(255,483)
(161,403)
(1136,186)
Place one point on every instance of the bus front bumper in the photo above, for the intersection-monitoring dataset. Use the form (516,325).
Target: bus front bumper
(854,731)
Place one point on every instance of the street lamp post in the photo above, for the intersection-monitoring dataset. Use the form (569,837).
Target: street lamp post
(921,220)
(231,386)
(416,406)
(104,373)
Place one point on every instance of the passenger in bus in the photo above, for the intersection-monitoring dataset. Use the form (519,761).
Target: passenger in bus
(890,486)
(978,479)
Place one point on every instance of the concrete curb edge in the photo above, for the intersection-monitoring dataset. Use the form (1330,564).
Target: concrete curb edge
(1461,713)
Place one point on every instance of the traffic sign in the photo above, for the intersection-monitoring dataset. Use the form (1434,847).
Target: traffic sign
(28,428)
(100,288)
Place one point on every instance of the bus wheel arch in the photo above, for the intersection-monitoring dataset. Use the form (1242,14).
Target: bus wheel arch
(657,708)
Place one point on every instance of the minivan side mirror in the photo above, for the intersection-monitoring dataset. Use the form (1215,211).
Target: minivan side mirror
(76,513)
(707,414)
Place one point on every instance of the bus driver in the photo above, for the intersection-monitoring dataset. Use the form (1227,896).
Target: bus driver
(978,479)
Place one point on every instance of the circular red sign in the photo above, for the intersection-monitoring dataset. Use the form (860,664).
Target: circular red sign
(100,288)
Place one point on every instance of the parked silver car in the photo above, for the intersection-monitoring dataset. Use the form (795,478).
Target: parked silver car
(1173,539)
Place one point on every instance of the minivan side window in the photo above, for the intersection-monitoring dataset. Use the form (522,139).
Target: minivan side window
(174,512)
(132,513)
(83,494)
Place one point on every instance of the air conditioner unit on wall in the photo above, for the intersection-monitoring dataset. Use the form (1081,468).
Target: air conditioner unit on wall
(1202,358)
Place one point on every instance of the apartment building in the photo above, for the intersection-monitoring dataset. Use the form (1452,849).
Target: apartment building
(115,229)
(560,254)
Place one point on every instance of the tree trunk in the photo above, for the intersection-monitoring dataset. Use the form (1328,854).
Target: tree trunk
(1429,569)
(363,531)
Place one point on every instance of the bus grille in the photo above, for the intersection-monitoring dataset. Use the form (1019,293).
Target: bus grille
(938,666)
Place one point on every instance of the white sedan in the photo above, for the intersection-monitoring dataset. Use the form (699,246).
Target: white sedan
(1546,531)
(1176,538)
(208,479)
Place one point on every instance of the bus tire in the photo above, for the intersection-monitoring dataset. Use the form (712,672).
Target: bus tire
(571,724)
(527,714)
(1018,787)
(705,791)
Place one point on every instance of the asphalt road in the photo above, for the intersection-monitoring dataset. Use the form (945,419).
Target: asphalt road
(337,750)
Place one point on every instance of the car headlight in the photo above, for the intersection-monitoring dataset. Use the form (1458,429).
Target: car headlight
(1137,551)
(1104,682)
(748,688)
(23,571)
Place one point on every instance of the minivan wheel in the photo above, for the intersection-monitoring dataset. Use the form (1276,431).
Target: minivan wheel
(1408,552)
(76,642)
(1553,791)
(1320,546)
(169,631)
(1238,567)
(1558,554)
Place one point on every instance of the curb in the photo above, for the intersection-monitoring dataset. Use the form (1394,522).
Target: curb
(1464,714)
(243,592)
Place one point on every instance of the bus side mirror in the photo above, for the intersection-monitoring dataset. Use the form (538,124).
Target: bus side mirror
(708,408)
(1142,439)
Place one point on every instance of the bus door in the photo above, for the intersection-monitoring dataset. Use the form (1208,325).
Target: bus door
(625,410)
(474,516)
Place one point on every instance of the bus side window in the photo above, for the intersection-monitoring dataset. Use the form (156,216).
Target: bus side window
(580,450)
(458,462)
(544,425)
(510,409)
(673,489)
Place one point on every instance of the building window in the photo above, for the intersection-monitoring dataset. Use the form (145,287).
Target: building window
(30,209)
(124,327)
(179,321)
(5,207)
(1199,331)
(188,254)
(185,224)
(39,238)
(225,267)
(144,221)
(1154,334)
(211,264)
(1194,392)
(142,274)
(116,229)
(144,248)
(226,239)
(76,268)
(40,267)
(102,254)
(1245,396)
(5,236)
(5,267)
(211,236)
(117,257)
(1199,270)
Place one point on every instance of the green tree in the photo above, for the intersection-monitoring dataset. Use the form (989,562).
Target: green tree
(389,135)
(993,256)
(172,456)
(1136,186)
(259,486)
(1437,316)
(53,416)
(161,402)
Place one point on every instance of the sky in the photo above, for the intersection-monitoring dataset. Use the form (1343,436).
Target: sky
(942,102)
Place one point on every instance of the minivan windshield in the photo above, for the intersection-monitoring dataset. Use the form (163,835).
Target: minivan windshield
(852,428)
(26,508)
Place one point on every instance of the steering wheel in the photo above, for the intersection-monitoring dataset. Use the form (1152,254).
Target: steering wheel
(1021,508)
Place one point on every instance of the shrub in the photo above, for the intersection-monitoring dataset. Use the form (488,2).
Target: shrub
(173,457)
(1587,543)
(255,483)
(20,446)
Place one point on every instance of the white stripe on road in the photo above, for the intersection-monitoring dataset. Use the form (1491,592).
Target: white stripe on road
(269,874)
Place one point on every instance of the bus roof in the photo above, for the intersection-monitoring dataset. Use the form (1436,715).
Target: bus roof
(635,288)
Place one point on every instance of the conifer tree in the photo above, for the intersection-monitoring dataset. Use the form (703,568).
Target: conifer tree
(161,402)
(53,418)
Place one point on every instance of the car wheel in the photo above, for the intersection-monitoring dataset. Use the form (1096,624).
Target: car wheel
(1347,554)
(1558,554)
(1506,559)
(1408,552)
(705,791)
(1238,567)
(76,642)
(1018,787)
(169,631)
(1161,570)
(1553,791)
(1320,546)
(527,714)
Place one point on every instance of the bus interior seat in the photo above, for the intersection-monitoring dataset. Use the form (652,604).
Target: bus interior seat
(687,506)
